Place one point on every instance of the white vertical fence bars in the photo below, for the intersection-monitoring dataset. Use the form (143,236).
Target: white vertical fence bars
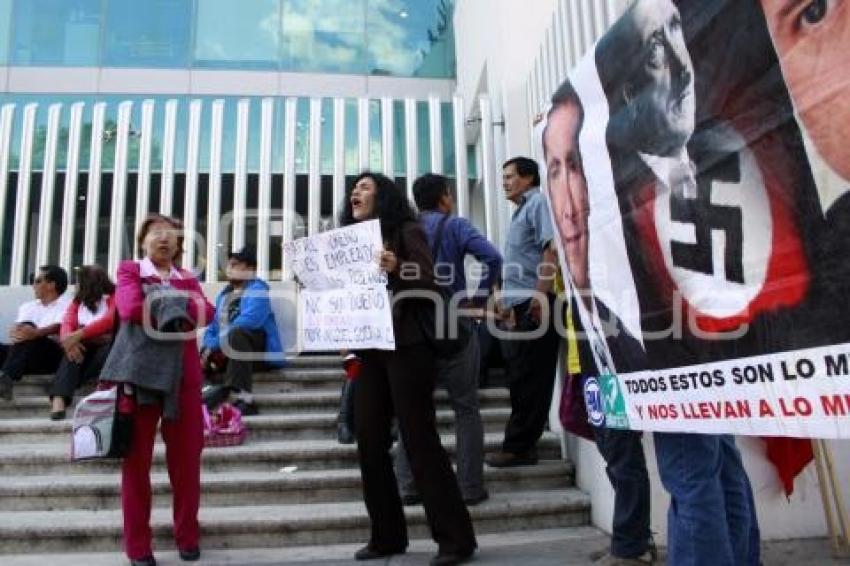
(290,113)
(7,116)
(435,130)
(166,191)
(339,157)
(561,59)
(214,191)
(22,200)
(143,181)
(488,171)
(48,184)
(387,146)
(190,203)
(118,208)
(264,200)
(69,205)
(362,134)
(411,137)
(32,243)
(240,174)
(461,169)
(314,168)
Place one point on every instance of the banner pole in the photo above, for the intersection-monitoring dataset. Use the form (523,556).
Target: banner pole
(823,487)
(838,496)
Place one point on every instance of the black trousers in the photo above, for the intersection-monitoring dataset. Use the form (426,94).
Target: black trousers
(41,355)
(71,375)
(401,382)
(238,371)
(626,469)
(530,368)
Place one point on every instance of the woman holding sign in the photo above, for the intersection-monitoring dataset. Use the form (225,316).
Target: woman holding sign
(400,383)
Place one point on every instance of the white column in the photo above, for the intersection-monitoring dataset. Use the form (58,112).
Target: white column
(461,169)
(265,187)
(339,157)
(169,142)
(387,145)
(314,172)
(411,139)
(488,171)
(214,210)
(7,117)
(289,214)
(93,188)
(240,174)
(119,187)
(435,130)
(362,134)
(190,202)
(69,200)
(143,183)
(22,201)
(48,185)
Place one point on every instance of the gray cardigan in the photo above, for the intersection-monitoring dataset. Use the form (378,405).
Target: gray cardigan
(154,366)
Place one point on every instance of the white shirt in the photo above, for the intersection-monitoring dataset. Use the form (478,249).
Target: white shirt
(148,269)
(41,315)
(86,316)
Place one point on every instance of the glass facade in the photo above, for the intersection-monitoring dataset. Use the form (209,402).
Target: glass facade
(405,38)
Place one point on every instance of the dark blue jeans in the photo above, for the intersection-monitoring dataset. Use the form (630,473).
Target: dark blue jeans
(626,469)
(712,517)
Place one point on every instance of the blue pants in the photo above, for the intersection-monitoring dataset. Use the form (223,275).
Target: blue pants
(626,468)
(712,518)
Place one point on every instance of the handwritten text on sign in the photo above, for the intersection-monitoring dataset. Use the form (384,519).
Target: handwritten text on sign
(344,303)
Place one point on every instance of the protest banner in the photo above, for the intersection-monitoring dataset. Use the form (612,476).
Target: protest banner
(344,302)
(708,267)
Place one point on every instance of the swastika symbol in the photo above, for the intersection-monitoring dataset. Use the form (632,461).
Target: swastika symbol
(707,217)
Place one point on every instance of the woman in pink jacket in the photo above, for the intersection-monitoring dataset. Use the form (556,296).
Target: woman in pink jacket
(160,240)
(85,335)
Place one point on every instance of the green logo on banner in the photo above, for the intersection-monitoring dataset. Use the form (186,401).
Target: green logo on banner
(615,403)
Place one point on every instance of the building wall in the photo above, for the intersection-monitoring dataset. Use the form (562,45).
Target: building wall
(499,54)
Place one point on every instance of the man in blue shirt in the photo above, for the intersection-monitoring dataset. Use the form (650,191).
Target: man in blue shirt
(242,333)
(529,272)
(458,374)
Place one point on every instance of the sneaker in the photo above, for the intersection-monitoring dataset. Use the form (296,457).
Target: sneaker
(509,459)
(6,385)
(247,408)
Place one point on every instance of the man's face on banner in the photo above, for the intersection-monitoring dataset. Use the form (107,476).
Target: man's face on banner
(661,95)
(812,39)
(568,187)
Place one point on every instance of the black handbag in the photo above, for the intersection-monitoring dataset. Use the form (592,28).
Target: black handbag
(449,333)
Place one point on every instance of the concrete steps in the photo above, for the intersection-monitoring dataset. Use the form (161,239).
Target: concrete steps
(102,491)
(291,483)
(278,525)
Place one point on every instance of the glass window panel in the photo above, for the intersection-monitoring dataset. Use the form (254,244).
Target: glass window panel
(244,34)
(154,33)
(324,35)
(410,38)
(5,22)
(56,32)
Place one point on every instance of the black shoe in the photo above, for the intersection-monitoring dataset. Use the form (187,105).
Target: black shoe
(451,558)
(344,434)
(190,554)
(247,408)
(146,561)
(6,385)
(509,459)
(483,496)
(57,415)
(411,499)
(370,552)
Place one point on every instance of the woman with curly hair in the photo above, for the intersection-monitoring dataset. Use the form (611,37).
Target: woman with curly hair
(85,335)
(400,383)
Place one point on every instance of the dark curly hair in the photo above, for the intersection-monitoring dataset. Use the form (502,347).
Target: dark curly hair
(392,207)
(92,284)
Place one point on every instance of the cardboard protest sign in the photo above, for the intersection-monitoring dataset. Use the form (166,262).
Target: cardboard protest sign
(344,302)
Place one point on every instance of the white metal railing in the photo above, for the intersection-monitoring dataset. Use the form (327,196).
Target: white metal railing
(34,237)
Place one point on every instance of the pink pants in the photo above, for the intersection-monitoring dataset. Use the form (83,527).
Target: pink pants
(183,443)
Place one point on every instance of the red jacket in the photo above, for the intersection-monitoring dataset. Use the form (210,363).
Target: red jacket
(98,327)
